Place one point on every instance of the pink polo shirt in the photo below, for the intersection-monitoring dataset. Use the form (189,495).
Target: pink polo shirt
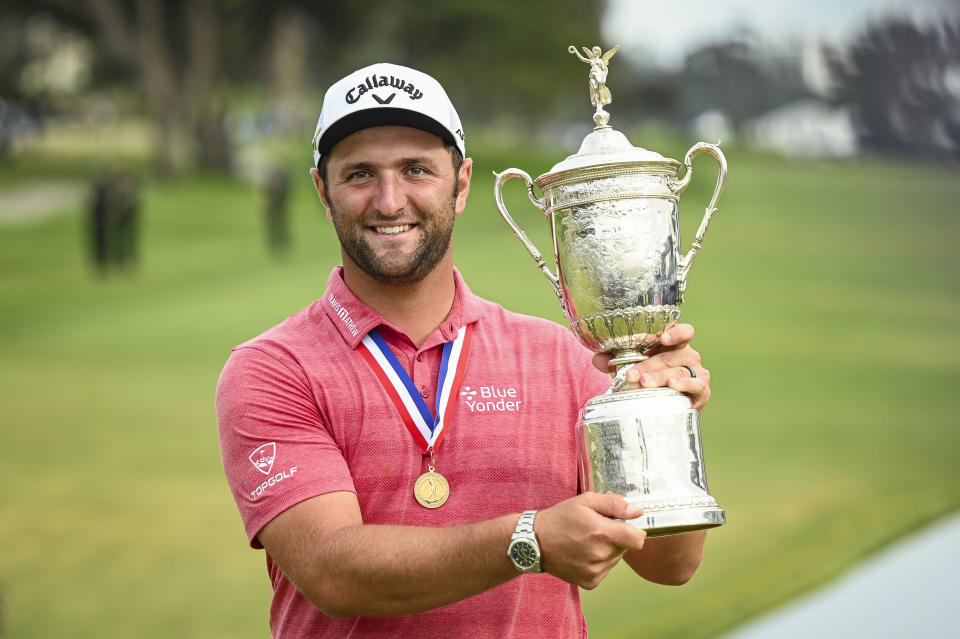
(301,414)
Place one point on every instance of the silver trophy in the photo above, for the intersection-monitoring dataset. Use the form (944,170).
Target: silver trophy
(620,278)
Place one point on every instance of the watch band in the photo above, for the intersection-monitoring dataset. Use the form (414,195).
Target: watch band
(528,560)
(525,523)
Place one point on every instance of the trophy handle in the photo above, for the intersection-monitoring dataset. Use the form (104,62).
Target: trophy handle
(537,202)
(678,188)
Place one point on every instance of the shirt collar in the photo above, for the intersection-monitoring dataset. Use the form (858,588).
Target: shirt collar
(354,319)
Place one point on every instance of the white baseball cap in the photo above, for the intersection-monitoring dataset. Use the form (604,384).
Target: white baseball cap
(384,94)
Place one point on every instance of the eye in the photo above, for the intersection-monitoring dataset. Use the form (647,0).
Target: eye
(417,171)
(358,175)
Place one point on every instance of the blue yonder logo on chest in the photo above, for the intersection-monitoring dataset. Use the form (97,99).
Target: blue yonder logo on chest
(491,399)
(375,82)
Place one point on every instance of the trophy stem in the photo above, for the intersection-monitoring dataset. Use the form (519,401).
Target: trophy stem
(628,357)
(623,361)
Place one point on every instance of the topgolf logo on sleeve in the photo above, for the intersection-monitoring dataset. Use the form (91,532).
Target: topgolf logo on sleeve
(262,459)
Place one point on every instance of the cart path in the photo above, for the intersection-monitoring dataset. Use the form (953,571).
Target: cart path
(34,201)
(911,589)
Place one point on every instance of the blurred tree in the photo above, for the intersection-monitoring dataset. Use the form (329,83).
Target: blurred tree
(56,60)
(903,83)
(498,59)
(188,58)
(288,58)
(174,47)
(741,78)
(171,48)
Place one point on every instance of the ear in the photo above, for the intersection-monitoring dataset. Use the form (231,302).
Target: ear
(318,184)
(466,172)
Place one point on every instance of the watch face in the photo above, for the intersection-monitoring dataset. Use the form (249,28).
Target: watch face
(524,554)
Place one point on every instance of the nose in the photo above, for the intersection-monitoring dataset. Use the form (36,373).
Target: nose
(390,199)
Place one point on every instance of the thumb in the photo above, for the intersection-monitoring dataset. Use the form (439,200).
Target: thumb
(610,505)
(602,362)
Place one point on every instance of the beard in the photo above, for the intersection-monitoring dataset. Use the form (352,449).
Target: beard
(436,233)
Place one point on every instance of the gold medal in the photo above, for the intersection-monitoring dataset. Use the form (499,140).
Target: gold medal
(431,489)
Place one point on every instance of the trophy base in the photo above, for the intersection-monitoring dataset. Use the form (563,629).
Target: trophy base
(675,522)
(645,446)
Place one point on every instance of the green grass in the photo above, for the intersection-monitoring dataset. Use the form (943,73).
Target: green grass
(825,301)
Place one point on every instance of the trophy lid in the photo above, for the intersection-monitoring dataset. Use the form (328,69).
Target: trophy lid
(604,146)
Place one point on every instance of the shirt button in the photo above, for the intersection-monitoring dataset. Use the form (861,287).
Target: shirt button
(419,357)
(424,392)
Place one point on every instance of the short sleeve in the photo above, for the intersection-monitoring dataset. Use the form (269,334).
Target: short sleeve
(274,442)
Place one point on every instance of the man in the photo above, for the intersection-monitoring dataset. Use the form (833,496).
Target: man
(382,443)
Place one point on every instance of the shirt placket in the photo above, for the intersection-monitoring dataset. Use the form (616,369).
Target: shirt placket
(423,366)
(425,373)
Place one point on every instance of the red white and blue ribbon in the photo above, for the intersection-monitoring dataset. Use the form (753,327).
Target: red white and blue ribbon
(426,427)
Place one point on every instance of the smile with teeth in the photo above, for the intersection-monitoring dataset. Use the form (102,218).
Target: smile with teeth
(391,230)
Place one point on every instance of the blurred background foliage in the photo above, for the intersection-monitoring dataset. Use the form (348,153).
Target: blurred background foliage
(211,74)
(194,67)
(825,304)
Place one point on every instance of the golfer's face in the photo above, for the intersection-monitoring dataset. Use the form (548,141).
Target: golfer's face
(392,198)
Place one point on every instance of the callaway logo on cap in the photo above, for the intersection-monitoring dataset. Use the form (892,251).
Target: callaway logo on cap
(384,94)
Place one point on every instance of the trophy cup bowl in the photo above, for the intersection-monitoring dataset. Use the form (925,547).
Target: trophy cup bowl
(612,210)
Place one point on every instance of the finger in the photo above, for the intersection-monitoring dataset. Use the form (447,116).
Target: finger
(685,356)
(610,505)
(660,377)
(626,536)
(678,335)
(697,388)
(614,529)
(613,554)
(643,375)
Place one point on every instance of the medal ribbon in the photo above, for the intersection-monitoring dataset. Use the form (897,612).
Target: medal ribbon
(427,430)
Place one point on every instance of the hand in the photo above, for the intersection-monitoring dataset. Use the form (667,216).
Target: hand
(665,367)
(580,542)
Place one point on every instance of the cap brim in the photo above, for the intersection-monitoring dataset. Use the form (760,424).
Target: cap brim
(353,122)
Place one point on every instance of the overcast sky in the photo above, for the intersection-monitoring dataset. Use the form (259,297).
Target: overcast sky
(660,33)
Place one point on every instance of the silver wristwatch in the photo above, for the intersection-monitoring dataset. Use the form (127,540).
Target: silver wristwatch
(524,551)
